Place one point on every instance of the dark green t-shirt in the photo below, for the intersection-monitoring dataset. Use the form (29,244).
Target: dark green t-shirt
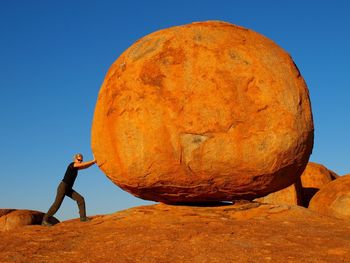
(70,175)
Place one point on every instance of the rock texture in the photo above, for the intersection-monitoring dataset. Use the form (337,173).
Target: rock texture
(203,112)
(333,199)
(314,177)
(248,232)
(291,195)
(11,219)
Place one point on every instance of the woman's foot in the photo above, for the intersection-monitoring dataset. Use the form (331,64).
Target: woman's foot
(85,219)
(46,223)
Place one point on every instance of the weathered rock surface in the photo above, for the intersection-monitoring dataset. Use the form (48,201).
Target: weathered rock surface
(333,199)
(11,219)
(291,195)
(314,177)
(240,233)
(203,112)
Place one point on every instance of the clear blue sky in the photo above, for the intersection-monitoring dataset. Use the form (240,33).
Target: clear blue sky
(54,56)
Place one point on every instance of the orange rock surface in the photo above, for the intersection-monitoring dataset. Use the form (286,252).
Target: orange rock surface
(169,234)
(291,195)
(313,179)
(203,112)
(11,219)
(333,199)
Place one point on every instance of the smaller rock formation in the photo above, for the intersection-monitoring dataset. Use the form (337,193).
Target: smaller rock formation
(292,195)
(5,211)
(313,179)
(13,218)
(333,199)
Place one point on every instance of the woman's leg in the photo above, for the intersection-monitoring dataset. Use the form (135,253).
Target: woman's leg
(61,189)
(80,201)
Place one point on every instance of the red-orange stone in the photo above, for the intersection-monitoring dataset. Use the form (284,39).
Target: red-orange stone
(314,178)
(203,112)
(291,195)
(11,219)
(333,199)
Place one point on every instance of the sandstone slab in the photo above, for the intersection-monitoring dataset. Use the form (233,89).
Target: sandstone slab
(249,232)
(203,112)
(333,199)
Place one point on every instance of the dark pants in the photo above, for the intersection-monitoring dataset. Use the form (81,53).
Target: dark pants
(64,190)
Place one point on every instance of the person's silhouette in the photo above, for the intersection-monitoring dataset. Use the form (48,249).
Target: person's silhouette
(65,188)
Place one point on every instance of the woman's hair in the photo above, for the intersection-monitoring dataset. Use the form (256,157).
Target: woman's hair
(77,155)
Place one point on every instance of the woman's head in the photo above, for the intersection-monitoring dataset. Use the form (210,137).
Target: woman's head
(78,157)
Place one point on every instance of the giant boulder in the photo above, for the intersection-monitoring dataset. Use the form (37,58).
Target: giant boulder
(207,111)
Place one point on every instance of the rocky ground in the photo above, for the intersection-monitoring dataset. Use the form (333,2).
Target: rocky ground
(244,232)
